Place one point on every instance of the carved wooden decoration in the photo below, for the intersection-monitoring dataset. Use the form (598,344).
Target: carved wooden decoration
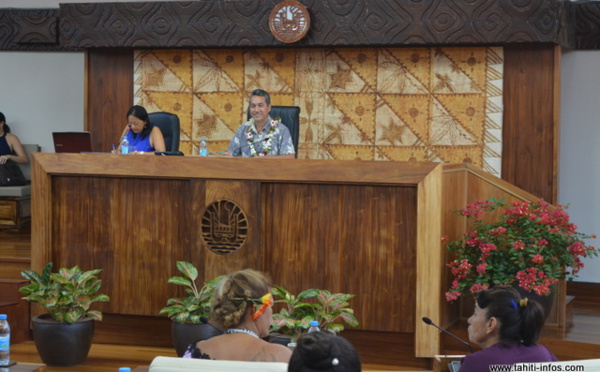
(289,21)
(29,29)
(224,23)
(588,26)
(224,227)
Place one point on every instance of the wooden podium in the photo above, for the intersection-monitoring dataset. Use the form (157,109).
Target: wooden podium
(364,227)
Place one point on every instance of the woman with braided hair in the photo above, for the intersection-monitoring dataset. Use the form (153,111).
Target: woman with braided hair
(506,326)
(242,308)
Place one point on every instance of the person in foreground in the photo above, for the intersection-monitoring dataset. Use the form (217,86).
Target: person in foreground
(261,135)
(10,146)
(141,134)
(323,351)
(506,327)
(242,308)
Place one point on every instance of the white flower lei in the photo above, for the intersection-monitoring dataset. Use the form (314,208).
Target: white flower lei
(269,138)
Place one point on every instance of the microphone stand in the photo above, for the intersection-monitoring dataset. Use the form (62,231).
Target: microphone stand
(430,322)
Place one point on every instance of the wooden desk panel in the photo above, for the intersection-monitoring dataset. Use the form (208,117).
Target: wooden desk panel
(346,226)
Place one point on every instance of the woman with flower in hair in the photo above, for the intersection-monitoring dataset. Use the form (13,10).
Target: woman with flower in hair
(242,308)
(506,326)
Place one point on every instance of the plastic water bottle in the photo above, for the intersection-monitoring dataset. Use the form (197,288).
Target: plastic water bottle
(314,326)
(203,147)
(124,369)
(4,341)
(124,146)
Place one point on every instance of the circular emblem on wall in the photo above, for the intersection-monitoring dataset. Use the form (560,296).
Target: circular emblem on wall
(289,21)
(224,227)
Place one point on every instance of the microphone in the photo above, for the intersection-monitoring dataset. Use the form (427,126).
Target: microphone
(428,321)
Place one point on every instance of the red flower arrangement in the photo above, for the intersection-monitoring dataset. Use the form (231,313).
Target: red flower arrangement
(532,245)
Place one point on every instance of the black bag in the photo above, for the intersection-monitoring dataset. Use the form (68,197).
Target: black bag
(11,174)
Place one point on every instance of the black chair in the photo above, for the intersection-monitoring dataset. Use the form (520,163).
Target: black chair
(169,126)
(290,117)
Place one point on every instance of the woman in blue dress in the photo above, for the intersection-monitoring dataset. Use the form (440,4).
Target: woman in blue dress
(144,137)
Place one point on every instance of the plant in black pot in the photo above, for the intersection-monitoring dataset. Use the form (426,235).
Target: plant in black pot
(190,313)
(331,310)
(63,336)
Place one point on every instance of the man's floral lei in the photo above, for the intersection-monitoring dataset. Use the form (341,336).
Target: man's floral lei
(250,136)
(531,244)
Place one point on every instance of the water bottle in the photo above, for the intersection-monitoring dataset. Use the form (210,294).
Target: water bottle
(124,146)
(314,326)
(203,147)
(4,341)
(124,369)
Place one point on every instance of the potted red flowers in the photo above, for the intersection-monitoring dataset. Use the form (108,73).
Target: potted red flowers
(531,245)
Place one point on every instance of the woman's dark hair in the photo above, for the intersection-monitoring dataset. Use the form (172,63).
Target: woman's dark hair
(3,119)
(140,113)
(521,320)
(323,351)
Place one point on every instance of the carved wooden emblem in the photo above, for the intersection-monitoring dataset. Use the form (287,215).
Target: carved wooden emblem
(224,227)
(289,21)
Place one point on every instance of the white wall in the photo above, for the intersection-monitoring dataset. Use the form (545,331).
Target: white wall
(42,93)
(579,162)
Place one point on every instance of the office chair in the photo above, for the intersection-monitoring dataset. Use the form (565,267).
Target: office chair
(169,126)
(290,117)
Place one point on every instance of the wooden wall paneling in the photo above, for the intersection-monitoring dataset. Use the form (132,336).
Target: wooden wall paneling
(530,138)
(429,265)
(387,348)
(379,259)
(454,199)
(41,214)
(301,232)
(109,94)
(246,195)
(133,227)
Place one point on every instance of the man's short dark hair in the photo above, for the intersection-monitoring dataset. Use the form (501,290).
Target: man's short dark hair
(261,93)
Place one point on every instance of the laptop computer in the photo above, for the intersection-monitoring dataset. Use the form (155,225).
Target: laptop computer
(72,141)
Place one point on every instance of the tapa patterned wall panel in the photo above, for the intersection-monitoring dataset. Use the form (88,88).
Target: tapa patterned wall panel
(434,104)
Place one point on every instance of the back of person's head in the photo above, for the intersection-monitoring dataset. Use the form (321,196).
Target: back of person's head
(521,320)
(260,93)
(3,120)
(323,351)
(235,294)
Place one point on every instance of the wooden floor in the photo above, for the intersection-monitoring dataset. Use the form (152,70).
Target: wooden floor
(580,340)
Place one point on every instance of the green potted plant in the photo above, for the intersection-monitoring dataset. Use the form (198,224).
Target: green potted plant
(64,335)
(331,310)
(190,313)
(530,245)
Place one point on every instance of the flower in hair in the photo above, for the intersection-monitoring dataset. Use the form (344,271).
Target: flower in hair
(523,302)
(266,301)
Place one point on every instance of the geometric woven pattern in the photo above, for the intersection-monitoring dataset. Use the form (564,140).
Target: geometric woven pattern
(399,104)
